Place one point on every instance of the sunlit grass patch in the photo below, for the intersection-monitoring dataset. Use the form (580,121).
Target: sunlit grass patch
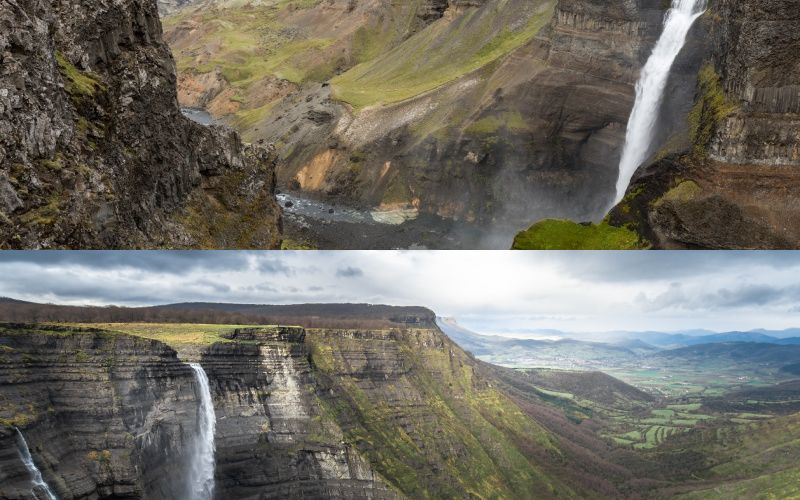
(170,333)
(451,50)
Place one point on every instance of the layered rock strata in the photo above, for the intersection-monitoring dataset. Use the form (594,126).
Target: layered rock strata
(109,415)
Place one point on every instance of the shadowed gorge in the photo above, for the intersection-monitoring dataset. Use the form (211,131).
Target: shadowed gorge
(466,125)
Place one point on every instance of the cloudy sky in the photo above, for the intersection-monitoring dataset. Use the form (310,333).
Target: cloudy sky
(490,292)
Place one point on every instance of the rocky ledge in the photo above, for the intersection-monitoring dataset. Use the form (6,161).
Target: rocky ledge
(94,151)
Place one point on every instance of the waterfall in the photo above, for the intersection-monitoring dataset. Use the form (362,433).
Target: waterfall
(650,88)
(201,470)
(39,486)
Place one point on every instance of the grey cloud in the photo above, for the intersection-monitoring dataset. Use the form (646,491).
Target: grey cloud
(666,265)
(349,272)
(213,285)
(752,295)
(677,297)
(275,266)
(176,262)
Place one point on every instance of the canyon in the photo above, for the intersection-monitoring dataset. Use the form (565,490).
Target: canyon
(391,410)
(434,124)
(466,125)
(513,113)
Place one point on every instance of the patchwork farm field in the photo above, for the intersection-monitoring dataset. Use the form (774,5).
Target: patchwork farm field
(685,397)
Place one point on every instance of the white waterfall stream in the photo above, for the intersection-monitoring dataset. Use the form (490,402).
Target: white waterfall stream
(650,88)
(40,488)
(201,470)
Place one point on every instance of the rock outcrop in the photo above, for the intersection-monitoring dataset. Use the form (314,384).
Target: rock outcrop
(94,152)
(103,415)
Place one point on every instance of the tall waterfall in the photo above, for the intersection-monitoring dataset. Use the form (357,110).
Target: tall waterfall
(650,88)
(39,486)
(201,470)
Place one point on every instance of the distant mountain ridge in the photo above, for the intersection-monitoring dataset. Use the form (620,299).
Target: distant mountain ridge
(656,339)
(747,347)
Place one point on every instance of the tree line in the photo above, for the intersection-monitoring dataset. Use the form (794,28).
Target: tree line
(306,315)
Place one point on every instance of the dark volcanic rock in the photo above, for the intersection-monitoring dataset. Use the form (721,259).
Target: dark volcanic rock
(94,151)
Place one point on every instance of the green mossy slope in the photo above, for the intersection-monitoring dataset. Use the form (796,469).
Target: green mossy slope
(443,52)
(553,234)
(427,421)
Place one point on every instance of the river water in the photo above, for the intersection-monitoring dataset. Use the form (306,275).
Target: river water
(200,116)
(319,224)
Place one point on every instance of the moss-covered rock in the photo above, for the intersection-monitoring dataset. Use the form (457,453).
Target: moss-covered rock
(711,107)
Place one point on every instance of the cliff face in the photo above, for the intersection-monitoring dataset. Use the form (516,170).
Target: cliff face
(103,415)
(736,185)
(355,413)
(274,439)
(429,420)
(94,151)
(110,415)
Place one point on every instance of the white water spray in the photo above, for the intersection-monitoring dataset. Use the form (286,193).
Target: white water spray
(40,488)
(201,470)
(650,88)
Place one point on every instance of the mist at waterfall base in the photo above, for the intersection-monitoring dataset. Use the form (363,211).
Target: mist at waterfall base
(38,485)
(650,89)
(200,479)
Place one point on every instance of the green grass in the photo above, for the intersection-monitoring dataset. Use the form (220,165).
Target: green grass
(555,234)
(651,431)
(78,83)
(287,244)
(556,394)
(685,407)
(441,53)
(683,192)
(512,121)
(250,46)
(171,334)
